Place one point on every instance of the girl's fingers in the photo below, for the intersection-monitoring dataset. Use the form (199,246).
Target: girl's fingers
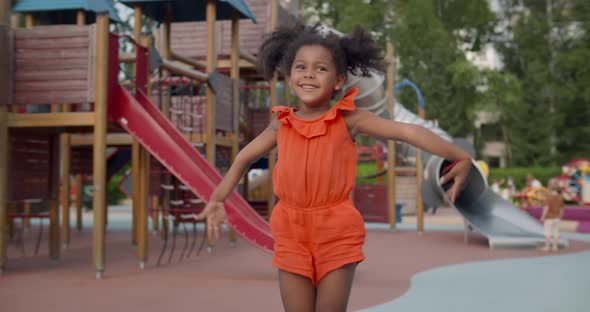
(200,216)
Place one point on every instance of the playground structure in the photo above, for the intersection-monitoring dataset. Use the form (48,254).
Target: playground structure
(168,120)
(86,59)
(575,181)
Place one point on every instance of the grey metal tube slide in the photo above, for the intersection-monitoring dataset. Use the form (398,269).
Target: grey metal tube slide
(503,224)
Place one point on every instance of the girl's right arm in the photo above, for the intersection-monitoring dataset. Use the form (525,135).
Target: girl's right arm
(214,211)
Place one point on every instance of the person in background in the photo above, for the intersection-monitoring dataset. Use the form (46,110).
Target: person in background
(531,181)
(552,212)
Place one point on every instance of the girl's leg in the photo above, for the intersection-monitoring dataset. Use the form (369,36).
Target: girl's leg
(334,289)
(297,292)
(547,228)
(556,235)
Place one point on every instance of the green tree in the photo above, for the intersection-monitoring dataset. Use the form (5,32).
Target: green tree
(545,45)
(430,39)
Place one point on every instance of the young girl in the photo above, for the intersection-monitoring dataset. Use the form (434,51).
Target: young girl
(318,232)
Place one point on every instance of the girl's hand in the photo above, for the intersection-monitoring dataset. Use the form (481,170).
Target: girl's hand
(458,174)
(214,212)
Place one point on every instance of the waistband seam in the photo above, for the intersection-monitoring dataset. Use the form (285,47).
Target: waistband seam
(312,208)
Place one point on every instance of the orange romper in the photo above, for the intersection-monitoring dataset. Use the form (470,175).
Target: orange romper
(315,226)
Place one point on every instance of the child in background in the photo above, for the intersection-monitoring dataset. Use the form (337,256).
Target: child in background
(551,215)
(318,232)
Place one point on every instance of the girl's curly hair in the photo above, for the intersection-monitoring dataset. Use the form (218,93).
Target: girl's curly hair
(356,53)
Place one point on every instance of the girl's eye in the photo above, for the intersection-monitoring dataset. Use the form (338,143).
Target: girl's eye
(299,67)
(322,69)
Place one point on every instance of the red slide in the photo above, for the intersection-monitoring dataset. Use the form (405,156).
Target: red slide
(159,136)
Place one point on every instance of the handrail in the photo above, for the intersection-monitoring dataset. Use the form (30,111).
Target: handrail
(183,70)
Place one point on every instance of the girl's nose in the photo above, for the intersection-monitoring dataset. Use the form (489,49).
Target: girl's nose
(308,74)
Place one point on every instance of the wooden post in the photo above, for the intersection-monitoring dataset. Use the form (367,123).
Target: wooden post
(135,181)
(142,213)
(54,235)
(272,157)
(211,11)
(135,148)
(419,203)
(166,111)
(144,174)
(79,194)
(15,20)
(391,144)
(54,230)
(155,213)
(4,22)
(65,157)
(209,94)
(100,135)
(29,20)
(80,17)
(3,182)
(235,76)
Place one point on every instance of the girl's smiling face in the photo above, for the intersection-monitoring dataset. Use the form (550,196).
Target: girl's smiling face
(313,76)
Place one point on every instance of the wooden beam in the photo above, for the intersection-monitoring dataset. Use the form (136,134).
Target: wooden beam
(391,144)
(184,70)
(127,57)
(211,13)
(242,64)
(100,131)
(187,60)
(50,120)
(225,141)
(248,57)
(29,21)
(112,139)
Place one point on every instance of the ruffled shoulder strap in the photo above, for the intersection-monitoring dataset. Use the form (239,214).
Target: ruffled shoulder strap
(283,113)
(347,102)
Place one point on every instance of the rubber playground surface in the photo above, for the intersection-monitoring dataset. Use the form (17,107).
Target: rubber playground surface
(435,271)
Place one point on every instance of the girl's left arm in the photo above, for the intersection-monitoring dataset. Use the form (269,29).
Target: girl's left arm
(364,122)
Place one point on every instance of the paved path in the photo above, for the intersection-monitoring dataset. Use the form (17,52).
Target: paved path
(541,284)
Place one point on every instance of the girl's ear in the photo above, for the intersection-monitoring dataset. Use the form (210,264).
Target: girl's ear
(339,82)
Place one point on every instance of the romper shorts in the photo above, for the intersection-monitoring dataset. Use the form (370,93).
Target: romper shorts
(313,241)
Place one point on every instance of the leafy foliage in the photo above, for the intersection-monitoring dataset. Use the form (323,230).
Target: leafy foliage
(542,91)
